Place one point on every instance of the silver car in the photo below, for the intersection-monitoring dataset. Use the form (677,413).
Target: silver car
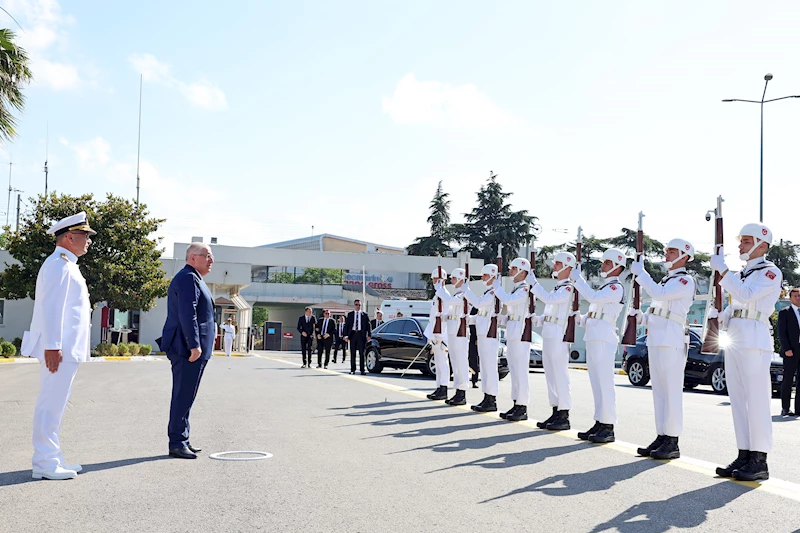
(535,360)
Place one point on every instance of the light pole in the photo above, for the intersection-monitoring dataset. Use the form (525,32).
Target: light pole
(761,173)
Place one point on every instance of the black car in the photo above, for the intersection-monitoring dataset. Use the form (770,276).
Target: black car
(397,342)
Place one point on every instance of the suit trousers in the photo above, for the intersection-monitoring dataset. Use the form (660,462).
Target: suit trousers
(459,360)
(487,355)
(600,358)
(340,343)
(750,393)
(306,344)
(442,364)
(667,365)
(791,368)
(228,342)
(357,344)
(54,391)
(555,359)
(186,378)
(519,357)
(324,344)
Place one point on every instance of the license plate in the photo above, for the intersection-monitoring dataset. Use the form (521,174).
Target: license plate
(779,377)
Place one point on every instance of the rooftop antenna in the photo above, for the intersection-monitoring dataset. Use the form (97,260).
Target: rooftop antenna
(10,190)
(139,142)
(46,157)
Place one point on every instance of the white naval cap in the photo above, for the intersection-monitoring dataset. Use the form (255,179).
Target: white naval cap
(77,222)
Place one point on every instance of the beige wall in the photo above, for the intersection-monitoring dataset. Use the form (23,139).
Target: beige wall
(330,244)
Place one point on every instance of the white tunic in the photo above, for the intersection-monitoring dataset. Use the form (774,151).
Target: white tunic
(672,296)
(436,337)
(61,311)
(755,291)
(486,306)
(453,307)
(228,330)
(556,308)
(517,306)
(605,305)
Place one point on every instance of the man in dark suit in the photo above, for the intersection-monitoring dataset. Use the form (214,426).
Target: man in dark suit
(338,340)
(789,335)
(188,340)
(306,325)
(358,334)
(377,321)
(326,329)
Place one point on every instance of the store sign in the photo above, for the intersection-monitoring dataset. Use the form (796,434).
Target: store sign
(374,281)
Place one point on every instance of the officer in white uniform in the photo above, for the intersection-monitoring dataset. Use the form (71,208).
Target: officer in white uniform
(486,326)
(555,352)
(229,332)
(59,338)
(600,323)
(754,291)
(457,340)
(519,351)
(438,340)
(667,337)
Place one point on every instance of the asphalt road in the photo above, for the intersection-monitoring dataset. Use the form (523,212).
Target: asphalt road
(366,454)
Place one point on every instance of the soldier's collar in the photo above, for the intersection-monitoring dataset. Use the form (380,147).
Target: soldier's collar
(753,262)
(66,254)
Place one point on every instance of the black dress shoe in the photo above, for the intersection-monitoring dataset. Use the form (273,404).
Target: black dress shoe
(182,453)
(351,373)
(784,412)
(363,373)
(195,450)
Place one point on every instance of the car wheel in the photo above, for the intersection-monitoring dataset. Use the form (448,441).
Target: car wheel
(372,364)
(430,367)
(502,374)
(638,374)
(718,382)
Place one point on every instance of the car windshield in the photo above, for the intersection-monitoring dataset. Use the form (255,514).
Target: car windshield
(423,323)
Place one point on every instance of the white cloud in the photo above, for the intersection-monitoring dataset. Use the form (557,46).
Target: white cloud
(92,154)
(441,104)
(203,93)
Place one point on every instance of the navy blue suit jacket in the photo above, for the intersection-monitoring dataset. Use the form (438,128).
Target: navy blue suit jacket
(190,316)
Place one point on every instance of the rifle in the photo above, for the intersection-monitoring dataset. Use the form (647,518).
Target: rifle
(492,333)
(629,338)
(527,332)
(437,324)
(711,339)
(569,334)
(462,327)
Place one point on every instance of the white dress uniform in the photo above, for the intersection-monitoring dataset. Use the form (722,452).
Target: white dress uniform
(61,321)
(457,346)
(666,345)
(437,341)
(555,353)
(601,337)
(487,346)
(229,333)
(754,291)
(519,351)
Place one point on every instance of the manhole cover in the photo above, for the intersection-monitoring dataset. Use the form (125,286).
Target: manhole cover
(240,456)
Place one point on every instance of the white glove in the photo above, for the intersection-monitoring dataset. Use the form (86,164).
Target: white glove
(532,278)
(496,283)
(718,261)
(713,313)
(637,268)
(575,273)
(579,318)
(538,321)
(638,314)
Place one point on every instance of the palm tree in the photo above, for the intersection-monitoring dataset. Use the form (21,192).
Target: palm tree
(14,73)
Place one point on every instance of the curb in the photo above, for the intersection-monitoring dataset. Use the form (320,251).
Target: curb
(617,371)
(222,354)
(19,360)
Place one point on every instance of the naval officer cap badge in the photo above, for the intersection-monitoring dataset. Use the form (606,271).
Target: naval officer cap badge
(77,222)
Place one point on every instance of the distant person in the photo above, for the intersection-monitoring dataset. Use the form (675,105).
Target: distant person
(229,333)
(357,333)
(789,335)
(377,321)
(306,325)
(338,340)
(325,333)
(399,314)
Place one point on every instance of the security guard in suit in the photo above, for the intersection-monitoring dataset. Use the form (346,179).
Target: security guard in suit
(486,327)
(667,337)
(748,354)
(438,340)
(457,340)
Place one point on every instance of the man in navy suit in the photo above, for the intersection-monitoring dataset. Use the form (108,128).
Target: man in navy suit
(188,340)
(789,334)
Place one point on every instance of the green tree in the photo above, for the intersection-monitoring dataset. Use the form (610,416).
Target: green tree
(592,246)
(785,257)
(652,249)
(281,277)
(332,276)
(14,74)
(260,315)
(122,266)
(437,243)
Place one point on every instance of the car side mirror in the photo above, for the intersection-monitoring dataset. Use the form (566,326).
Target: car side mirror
(414,334)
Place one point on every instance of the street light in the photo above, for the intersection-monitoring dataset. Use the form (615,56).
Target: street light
(762,102)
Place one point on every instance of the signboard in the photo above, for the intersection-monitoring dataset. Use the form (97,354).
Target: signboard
(379,281)
(288,335)
(270,331)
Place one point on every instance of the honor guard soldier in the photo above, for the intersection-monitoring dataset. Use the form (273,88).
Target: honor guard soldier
(438,339)
(59,338)
(555,352)
(519,351)
(457,333)
(600,323)
(748,354)
(486,327)
(667,336)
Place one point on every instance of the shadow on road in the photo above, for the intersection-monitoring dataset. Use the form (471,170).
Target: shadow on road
(444,430)
(378,404)
(480,443)
(399,421)
(528,457)
(24,476)
(686,510)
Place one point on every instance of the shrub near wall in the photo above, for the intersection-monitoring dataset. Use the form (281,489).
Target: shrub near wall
(133,348)
(145,349)
(122,349)
(7,349)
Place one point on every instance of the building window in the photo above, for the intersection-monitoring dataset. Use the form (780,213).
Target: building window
(258,274)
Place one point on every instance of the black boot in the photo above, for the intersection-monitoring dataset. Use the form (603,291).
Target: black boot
(756,468)
(521,413)
(488,405)
(737,463)
(606,434)
(504,415)
(459,398)
(645,452)
(543,423)
(439,394)
(561,421)
(584,435)
(668,449)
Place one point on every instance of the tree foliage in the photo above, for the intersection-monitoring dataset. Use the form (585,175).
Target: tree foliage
(122,266)
(785,256)
(260,315)
(14,74)
(438,242)
(332,276)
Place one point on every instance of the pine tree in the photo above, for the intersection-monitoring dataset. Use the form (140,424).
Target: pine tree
(785,257)
(437,243)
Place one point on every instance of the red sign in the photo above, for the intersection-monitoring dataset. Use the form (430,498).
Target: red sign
(288,335)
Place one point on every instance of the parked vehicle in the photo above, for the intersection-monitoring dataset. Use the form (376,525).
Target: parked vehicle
(396,343)
(409,308)
(535,360)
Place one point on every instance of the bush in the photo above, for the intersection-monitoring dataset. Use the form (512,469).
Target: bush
(18,344)
(123,349)
(112,350)
(8,349)
(133,348)
(145,349)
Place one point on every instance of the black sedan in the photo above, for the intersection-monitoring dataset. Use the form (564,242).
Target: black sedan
(396,343)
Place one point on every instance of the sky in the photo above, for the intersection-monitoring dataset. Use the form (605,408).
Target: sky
(264,121)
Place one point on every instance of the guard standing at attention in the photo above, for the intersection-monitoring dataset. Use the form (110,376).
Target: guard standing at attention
(437,340)
(486,327)
(457,336)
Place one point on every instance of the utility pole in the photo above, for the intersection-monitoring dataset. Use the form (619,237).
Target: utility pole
(46,156)
(139,142)
(19,200)
(8,206)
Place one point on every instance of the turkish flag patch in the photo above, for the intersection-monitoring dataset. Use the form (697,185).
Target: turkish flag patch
(684,281)
(770,274)
(569,288)
(613,287)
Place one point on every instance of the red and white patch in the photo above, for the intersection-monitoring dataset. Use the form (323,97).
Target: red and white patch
(613,287)
(619,258)
(569,289)
(687,247)
(684,281)
(770,274)
(763,231)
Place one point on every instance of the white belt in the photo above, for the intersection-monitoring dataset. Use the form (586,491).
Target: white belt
(599,315)
(554,320)
(750,315)
(663,312)
(451,317)
(489,313)
(517,318)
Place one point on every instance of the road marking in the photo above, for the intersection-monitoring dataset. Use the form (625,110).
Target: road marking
(779,487)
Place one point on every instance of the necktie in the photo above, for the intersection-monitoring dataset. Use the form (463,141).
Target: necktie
(324,326)
(358,322)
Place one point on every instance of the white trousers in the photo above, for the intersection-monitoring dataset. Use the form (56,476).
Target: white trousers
(459,359)
(750,391)
(487,353)
(600,360)
(519,356)
(666,376)
(54,390)
(442,365)
(228,341)
(555,359)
